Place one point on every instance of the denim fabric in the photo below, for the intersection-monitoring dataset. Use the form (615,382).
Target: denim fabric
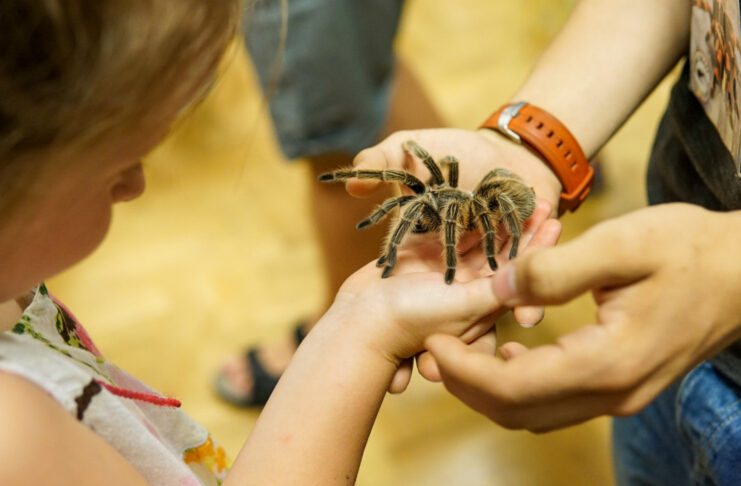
(332,87)
(689,436)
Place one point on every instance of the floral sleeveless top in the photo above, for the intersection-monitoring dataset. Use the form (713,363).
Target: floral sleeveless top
(51,349)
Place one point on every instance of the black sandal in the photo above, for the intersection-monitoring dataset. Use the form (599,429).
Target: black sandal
(263,383)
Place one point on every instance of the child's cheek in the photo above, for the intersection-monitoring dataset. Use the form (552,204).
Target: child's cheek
(76,235)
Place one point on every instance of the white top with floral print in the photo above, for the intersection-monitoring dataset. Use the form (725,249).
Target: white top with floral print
(51,349)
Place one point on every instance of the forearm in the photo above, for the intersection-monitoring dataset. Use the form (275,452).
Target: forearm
(605,61)
(315,426)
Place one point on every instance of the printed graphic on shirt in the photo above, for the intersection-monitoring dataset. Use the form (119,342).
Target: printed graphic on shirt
(714,54)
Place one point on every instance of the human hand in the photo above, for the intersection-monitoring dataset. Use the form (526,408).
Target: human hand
(479,151)
(540,233)
(415,301)
(666,280)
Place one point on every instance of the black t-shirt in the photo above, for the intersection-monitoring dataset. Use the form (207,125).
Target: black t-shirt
(690,163)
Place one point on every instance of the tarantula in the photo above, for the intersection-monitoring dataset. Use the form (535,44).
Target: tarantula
(501,196)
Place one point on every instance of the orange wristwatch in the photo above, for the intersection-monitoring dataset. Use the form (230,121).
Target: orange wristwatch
(550,139)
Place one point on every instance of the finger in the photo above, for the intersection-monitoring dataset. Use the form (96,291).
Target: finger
(455,361)
(427,367)
(485,344)
(572,409)
(547,387)
(482,327)
(588,359)
(511,349)
(370,158)
(541,214)
(400,380)
(550,416)
(529,315)
(388,154)
(469,302)
(581,405)
(547,235)
(602,257)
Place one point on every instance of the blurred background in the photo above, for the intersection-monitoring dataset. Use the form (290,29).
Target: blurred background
(221,252)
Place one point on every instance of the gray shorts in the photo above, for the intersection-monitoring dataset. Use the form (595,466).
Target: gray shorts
(333,85)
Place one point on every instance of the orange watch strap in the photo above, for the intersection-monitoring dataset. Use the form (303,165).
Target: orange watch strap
(550,139)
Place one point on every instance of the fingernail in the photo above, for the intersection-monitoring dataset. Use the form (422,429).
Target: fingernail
(504,283)
(531,316)
(359,159)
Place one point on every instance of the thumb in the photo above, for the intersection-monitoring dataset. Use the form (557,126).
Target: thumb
(388,154)
(374,158)
(457,363)
(402,377)
(602,257)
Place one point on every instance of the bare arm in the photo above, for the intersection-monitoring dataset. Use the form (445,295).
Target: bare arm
(320,415)
(316,424)
(609,56)
(596,72)
(312,432)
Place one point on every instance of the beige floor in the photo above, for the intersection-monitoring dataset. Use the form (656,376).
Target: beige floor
(220,252)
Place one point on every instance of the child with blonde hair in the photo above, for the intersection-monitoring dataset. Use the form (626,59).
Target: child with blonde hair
(88,88)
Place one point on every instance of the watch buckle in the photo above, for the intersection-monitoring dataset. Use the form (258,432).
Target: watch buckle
(506,117)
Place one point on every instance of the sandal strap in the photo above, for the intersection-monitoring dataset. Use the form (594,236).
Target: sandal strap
(264,382)
(298,333)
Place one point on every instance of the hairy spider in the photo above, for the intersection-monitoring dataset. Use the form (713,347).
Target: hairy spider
(500,197)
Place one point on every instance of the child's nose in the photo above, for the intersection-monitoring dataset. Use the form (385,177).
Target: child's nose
(130,185)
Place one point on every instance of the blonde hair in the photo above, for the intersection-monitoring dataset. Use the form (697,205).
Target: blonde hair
(76,72)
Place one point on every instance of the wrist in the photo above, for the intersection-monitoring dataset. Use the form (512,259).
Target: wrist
(549,138)
(353,330)
(529,165)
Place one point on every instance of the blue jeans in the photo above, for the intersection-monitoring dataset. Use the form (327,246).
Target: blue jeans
(689,435)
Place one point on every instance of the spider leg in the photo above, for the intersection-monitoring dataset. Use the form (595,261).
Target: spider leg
(484,219)
(383,210)
(493,174)
(452,164)
(511,217)
(402,227)
(412,147)
(386,175)
(451,215)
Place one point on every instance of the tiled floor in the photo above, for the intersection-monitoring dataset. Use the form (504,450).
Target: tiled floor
(221,251)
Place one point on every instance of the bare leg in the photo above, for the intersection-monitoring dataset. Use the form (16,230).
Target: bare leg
(344,249)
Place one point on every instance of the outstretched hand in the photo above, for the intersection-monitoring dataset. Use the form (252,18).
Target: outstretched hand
(666,280)
(479,152)
(416,297)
